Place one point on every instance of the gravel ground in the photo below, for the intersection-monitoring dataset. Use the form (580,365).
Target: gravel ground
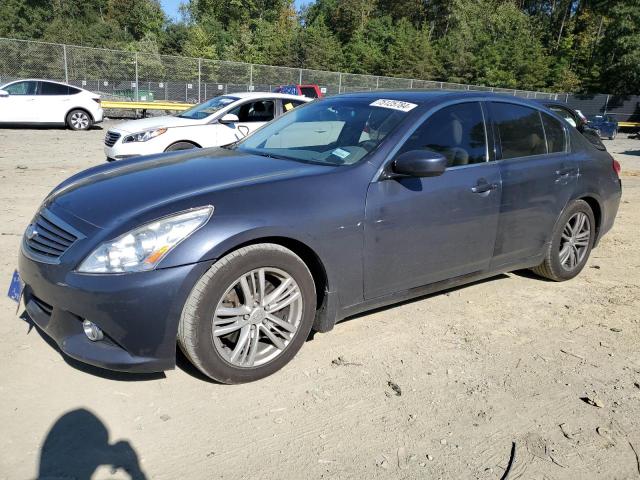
(440,387)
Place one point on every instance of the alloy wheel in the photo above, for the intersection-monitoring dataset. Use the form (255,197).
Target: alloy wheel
(80,120)
(257,317)
(574,243)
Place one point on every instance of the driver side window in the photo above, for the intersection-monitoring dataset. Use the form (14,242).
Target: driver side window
(259,111)
(22,88)
(457,132)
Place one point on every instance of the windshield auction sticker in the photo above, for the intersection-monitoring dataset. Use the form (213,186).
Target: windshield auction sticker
(394,105)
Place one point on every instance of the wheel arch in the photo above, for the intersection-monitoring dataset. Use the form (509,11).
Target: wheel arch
(195,144)
(596,208)
(307,255)
(85,110)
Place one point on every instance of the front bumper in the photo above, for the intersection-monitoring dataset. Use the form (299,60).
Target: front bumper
(121,150)
(138,312)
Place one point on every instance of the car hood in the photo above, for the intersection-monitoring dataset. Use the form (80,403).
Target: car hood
(134,126)
(114,192)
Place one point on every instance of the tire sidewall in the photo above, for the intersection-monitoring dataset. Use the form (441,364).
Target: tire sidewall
(210,360)
(572,209)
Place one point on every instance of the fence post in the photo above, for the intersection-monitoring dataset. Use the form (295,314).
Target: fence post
(66,69)
(411,84)
(340,82)
(250,76)
(199,78)
(377,83)
(135,58)
(300,78)
(606,105)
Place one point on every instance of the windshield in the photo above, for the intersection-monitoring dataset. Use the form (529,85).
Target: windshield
(207,108)
(336,131)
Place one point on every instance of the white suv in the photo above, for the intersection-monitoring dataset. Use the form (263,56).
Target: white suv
(216,122)
(34,101)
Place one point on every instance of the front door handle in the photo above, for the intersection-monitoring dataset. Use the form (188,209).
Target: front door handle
(483,187)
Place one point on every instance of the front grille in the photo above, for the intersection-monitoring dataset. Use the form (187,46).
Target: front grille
(48,236)
(111,138)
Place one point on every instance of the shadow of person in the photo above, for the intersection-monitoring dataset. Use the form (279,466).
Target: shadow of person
(78,443)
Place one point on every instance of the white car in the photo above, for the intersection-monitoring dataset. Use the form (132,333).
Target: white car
(44,102)
(216,122)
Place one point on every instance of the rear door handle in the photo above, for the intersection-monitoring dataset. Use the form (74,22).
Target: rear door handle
(483,187)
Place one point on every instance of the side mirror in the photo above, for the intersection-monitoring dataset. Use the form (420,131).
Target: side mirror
(229,118)
(4,93)
(419,163)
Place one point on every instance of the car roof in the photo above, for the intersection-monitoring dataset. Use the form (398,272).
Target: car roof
(44,80)
(439,96)
(251,95)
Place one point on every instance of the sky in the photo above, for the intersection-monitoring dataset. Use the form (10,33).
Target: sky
(171,7)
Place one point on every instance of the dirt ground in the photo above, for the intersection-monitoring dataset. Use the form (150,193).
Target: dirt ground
(501,362)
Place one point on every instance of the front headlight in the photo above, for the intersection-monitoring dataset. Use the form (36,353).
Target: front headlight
(143,248)
(144,136)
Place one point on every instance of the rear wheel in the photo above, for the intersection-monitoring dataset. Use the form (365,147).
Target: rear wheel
(79,120)
(571,243)
(249,314)
(180,146)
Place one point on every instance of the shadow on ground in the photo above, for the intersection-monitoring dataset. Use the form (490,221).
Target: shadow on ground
(78,444)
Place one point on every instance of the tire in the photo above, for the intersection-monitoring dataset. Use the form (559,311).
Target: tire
(180,146)
(221,356)
(613,135)
(553,267)
(79,120)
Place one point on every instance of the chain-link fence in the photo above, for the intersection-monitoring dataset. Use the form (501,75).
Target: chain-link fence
(123,75)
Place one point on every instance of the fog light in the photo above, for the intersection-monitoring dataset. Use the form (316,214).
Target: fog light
(92,331)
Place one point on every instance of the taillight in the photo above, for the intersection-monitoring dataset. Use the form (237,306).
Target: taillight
(616,167)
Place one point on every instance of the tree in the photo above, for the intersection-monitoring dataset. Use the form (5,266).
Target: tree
(620,49)
(320,49)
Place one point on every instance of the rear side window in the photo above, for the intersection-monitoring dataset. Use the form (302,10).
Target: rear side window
(457,132)
(48,88)
(520,130)
(566,114)
(290,104)
(555,134)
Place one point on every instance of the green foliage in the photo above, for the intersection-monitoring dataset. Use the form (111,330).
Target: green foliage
(621,48)
(560,45)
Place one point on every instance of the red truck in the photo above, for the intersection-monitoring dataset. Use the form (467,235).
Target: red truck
(311,91)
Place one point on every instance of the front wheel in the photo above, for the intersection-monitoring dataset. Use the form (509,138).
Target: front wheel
(249,314)
(613,135)
(571,243)
(79,120)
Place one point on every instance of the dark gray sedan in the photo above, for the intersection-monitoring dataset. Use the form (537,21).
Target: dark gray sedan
(342,205)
